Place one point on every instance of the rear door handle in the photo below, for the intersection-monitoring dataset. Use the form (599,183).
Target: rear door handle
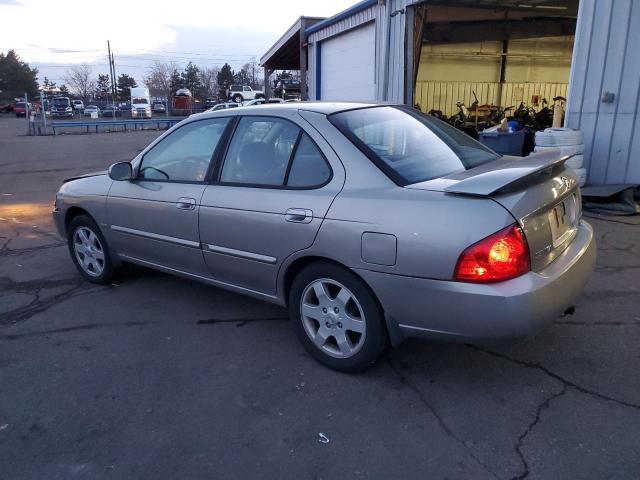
(298,215)
(186,203)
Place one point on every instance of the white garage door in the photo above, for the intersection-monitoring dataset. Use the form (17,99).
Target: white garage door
(347,66)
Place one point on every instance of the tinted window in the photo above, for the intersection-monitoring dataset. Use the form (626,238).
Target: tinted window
(185,154)
(409,146)
(247,89)
(259,152)
(309,168)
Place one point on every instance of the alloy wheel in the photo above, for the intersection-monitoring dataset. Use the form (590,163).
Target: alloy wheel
(88,251)
(333,318)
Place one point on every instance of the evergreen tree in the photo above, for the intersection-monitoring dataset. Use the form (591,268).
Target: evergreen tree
(103,87)
(191,79)
(16,77)
(124,85)
(175,81)
(225,76)
(48,85)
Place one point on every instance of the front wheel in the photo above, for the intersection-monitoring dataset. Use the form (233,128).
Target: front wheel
(336,317)
(89,250)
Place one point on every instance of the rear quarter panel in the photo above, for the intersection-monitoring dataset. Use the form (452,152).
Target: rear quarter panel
(432,228)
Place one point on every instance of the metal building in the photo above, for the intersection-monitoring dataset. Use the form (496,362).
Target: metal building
(375,50)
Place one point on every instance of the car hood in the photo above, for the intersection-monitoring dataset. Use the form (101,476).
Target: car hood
(86,175)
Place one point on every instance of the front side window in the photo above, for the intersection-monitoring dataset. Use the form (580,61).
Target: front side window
(247,89)
(185,154)
(408,146)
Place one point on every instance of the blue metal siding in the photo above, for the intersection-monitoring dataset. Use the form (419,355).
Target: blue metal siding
(318,76)
(606,60)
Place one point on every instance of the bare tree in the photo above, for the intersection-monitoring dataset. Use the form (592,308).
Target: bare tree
(158,81)
(79,79)
(209,81)
(252,69)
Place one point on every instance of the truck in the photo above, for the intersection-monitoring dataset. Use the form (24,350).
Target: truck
(61,107)
(242,93)
(140,103)
(182,102)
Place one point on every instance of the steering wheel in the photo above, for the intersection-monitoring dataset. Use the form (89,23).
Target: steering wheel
(155,169)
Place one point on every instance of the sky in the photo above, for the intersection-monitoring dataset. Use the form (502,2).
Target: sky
(54,35)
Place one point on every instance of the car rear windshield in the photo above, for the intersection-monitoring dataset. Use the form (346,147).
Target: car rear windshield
(409,146)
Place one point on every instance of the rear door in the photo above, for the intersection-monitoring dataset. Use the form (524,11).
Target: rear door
(274,188)
(154,218)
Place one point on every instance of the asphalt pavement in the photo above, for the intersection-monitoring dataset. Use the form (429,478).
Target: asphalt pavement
(159,377)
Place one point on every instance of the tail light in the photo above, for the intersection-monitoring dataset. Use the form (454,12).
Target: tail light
(500,256)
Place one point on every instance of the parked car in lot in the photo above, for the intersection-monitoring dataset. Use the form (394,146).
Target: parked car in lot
(158,107)
(223,106)
(6,107)
(262,101)
(111,111)
(21,109)
(370,222)
(78,105)
(89,109)
(240,93)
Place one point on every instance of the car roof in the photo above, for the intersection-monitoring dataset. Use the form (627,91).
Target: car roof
(326,108)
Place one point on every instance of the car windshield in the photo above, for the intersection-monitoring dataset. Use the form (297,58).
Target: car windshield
(409,146)
(139,100)
(20,104)
(61,103)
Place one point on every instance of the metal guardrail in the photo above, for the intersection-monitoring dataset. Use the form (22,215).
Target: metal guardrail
(168,121)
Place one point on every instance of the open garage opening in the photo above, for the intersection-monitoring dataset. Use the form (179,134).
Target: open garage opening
(475,57)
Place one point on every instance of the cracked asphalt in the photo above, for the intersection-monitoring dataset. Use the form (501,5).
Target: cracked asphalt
(159,377)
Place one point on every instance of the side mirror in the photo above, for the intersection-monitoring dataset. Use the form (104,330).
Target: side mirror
(121,171)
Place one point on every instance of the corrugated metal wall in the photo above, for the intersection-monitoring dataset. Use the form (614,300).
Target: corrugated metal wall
(606,59)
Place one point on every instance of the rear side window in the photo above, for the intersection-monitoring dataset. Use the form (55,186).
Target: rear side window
(408,146)
(309,168)
(273,152)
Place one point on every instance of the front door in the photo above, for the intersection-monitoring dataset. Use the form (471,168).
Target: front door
(275,188)
(154,218)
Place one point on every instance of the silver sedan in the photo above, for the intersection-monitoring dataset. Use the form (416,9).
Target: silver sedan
(372,223)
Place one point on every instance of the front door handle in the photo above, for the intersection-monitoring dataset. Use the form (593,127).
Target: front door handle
(298,215)
(186,203)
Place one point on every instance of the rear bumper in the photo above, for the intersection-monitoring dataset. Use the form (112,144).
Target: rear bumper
(467,311)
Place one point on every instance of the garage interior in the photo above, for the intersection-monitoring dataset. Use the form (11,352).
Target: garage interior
(507,52)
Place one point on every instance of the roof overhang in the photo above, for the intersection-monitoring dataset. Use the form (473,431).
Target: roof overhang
(358,7)
(285,53)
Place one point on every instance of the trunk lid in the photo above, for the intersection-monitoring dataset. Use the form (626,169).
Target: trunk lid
(539,191)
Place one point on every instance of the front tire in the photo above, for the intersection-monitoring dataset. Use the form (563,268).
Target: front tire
(336,317)
(89,250)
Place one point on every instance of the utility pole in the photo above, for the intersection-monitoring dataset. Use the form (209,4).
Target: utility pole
(111,72)
(115,79)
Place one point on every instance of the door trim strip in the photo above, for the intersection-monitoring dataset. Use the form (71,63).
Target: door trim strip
(242,254)
(156,236)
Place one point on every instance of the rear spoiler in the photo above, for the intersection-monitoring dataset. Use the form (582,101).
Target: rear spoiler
(503,173)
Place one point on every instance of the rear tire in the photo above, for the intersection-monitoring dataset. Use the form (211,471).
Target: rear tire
(237,98)
(89,250)
(337,317)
